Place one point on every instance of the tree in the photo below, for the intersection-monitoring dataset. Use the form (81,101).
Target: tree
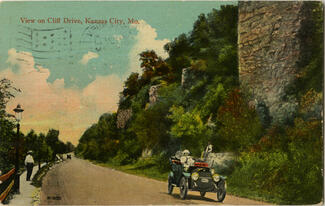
(43,149)
(152,65)
(108,137)
(69,147)
(37,143)
(7,142)
(240,127)
(151,128)
(52,139)
(131,84)
(190,129)
(6,93)
(7,134)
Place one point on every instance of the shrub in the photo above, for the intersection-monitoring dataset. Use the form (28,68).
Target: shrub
(121,158)
(189,128)
(240,127)
(287,173)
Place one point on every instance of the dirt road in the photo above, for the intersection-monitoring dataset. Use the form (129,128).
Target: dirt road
(79,182)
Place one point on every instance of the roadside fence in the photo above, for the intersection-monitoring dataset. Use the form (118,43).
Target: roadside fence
(6,184)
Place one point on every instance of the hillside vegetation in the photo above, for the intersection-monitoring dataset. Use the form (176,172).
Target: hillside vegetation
(278,163)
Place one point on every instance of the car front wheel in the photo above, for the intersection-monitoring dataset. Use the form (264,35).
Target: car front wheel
(221,192)
(183,188)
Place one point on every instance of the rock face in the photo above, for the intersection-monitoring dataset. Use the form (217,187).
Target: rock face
(187,78)
(270,51)
(123,115)
(220,161)
(153,94)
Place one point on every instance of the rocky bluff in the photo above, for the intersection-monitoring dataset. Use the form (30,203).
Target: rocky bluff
(272,37)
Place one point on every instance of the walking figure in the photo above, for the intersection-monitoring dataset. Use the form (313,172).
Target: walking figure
(207,151)
(29,162)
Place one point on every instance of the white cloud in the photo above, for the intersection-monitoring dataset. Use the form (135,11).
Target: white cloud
(146,40)
(86,57)
(51,105)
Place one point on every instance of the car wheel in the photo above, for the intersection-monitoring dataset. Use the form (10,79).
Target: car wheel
(170,186)
(183,188)
(202,193)
(221,192)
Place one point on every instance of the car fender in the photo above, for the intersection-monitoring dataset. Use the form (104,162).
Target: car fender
(187,174)
(171,174)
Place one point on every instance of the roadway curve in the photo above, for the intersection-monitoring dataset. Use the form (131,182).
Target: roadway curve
(79,182)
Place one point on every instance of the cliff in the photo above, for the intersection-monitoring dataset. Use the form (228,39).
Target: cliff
(271,42)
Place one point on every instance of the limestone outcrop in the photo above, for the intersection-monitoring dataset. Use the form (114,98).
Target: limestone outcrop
(123,116)
(271,45)
(153,94)
(188,78)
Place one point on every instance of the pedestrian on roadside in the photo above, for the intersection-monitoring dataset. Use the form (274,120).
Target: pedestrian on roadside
(29,162)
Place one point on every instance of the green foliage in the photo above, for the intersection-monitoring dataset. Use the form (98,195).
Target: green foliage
(287,175)
(171,94)
(124,101)
(190,129)
(45,147)
(152,66)
(108,133)
(7,126)
(312,63)
(259,173)
(151,127)
(195,94)
(55,145)
(6,93)
(131,84)
(128,150)
(7,143)
(240,127)
(211,101)
(38,145)
(101,140)
(121,158)
(211,46)
(139,101)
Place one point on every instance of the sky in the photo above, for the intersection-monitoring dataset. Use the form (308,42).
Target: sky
(70,59)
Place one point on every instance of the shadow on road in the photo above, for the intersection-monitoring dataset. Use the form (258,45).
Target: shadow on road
(191,197)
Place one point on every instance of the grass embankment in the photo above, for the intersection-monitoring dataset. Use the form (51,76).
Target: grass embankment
(38,177)
(144,168)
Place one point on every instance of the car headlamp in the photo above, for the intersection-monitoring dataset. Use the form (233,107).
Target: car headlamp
(216,177)
(212,171)
(195,176)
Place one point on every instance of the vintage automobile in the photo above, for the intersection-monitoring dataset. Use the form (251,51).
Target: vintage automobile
(198,177)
